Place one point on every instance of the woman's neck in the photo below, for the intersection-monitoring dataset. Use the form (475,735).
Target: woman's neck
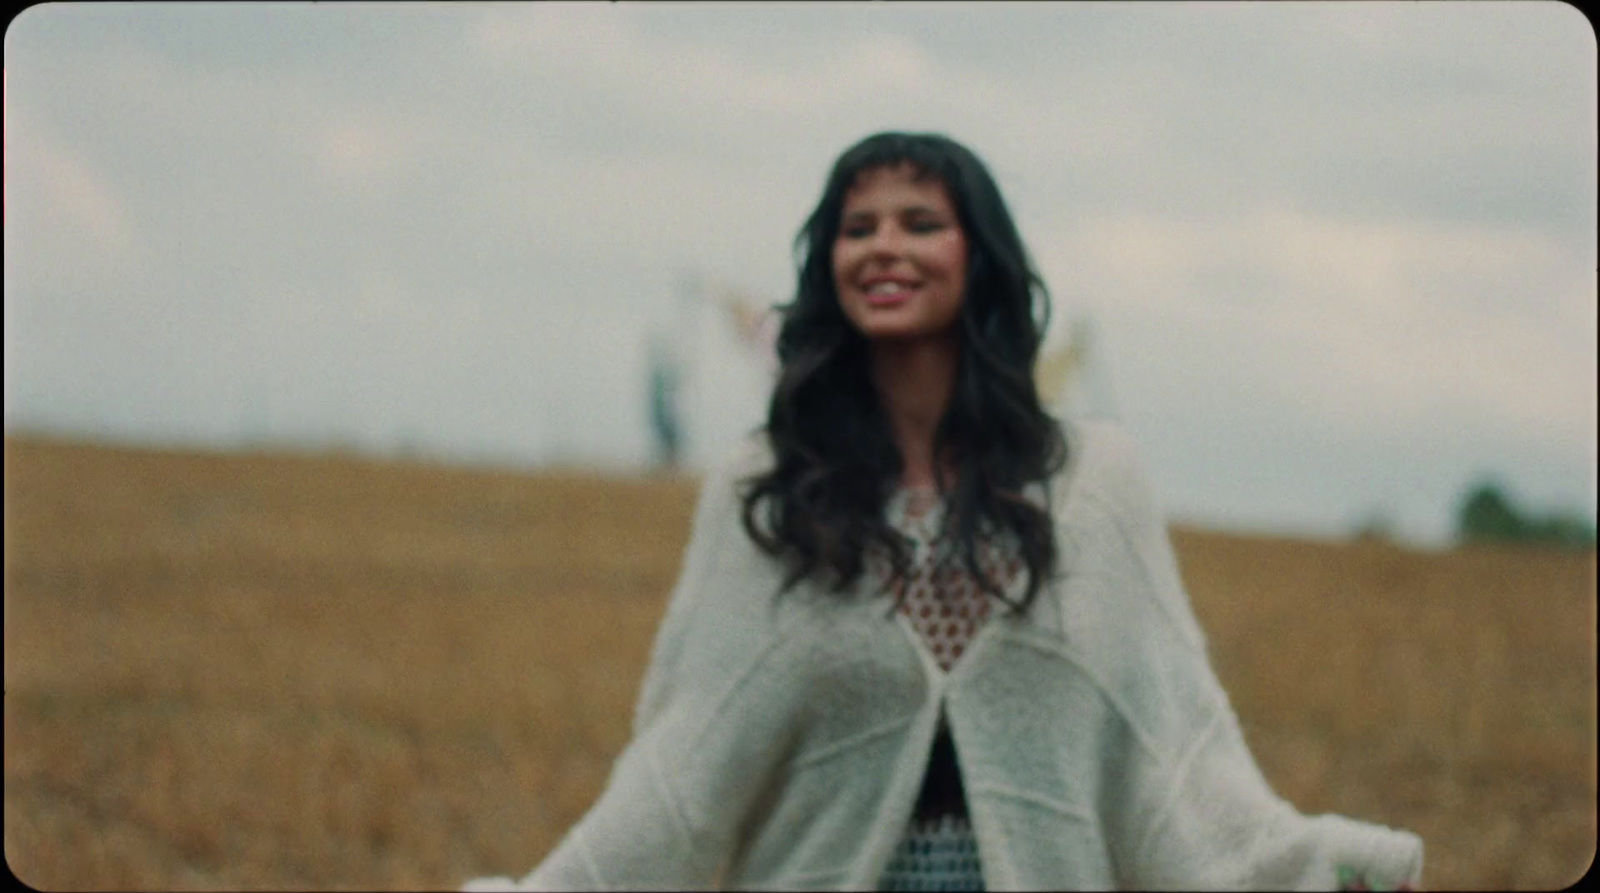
(915,378)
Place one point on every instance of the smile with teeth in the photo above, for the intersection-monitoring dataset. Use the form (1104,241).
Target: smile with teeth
(888,293)
(887,288)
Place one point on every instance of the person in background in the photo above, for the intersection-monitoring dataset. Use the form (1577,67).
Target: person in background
(664,378)
(926,636)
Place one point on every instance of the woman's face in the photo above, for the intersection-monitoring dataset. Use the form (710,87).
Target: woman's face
(900,259)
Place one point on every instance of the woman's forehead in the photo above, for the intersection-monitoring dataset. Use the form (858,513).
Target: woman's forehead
(896,177)
(902,169)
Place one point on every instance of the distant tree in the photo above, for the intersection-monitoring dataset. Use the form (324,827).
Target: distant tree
(1565,530)
(1488,515)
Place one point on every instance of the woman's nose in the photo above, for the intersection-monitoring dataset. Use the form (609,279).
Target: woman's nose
(887,240)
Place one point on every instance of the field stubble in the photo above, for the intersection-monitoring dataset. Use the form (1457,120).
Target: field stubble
(272,672)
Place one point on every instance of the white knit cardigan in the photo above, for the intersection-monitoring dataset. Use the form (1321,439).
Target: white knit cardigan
(780,743)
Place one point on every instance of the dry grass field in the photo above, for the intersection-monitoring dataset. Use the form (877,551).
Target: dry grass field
(259,672)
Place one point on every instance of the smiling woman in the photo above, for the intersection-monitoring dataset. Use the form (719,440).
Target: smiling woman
(831,701)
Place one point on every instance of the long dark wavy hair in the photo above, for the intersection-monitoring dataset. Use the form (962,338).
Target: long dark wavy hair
(821,505)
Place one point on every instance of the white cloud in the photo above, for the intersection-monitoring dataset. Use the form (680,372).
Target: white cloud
(609,58)
(587,34)
(76,220)
(361,152)
(86,203)
(1364,321)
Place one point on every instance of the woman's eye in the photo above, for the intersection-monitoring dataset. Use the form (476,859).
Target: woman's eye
(863,230)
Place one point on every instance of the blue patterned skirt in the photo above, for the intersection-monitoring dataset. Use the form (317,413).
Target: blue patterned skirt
(935,855)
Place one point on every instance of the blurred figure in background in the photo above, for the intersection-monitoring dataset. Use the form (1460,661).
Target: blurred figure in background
(926,635)
(665,376)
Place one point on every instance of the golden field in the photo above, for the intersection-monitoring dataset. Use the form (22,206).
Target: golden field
(276,672)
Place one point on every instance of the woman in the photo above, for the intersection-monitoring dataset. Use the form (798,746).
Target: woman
(834,699)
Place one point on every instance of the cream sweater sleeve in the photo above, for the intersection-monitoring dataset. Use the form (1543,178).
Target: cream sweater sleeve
(1209,819)
(710,727)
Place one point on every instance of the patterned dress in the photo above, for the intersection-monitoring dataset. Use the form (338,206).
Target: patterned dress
(946,607)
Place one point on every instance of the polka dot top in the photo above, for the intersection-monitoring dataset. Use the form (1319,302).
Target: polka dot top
(940,598)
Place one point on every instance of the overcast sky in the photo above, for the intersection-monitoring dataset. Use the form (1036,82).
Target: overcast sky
(1339,259)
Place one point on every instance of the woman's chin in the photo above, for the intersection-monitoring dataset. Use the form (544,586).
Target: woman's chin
(902,332)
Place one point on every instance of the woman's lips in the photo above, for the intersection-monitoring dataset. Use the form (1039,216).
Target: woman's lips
(890,298)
